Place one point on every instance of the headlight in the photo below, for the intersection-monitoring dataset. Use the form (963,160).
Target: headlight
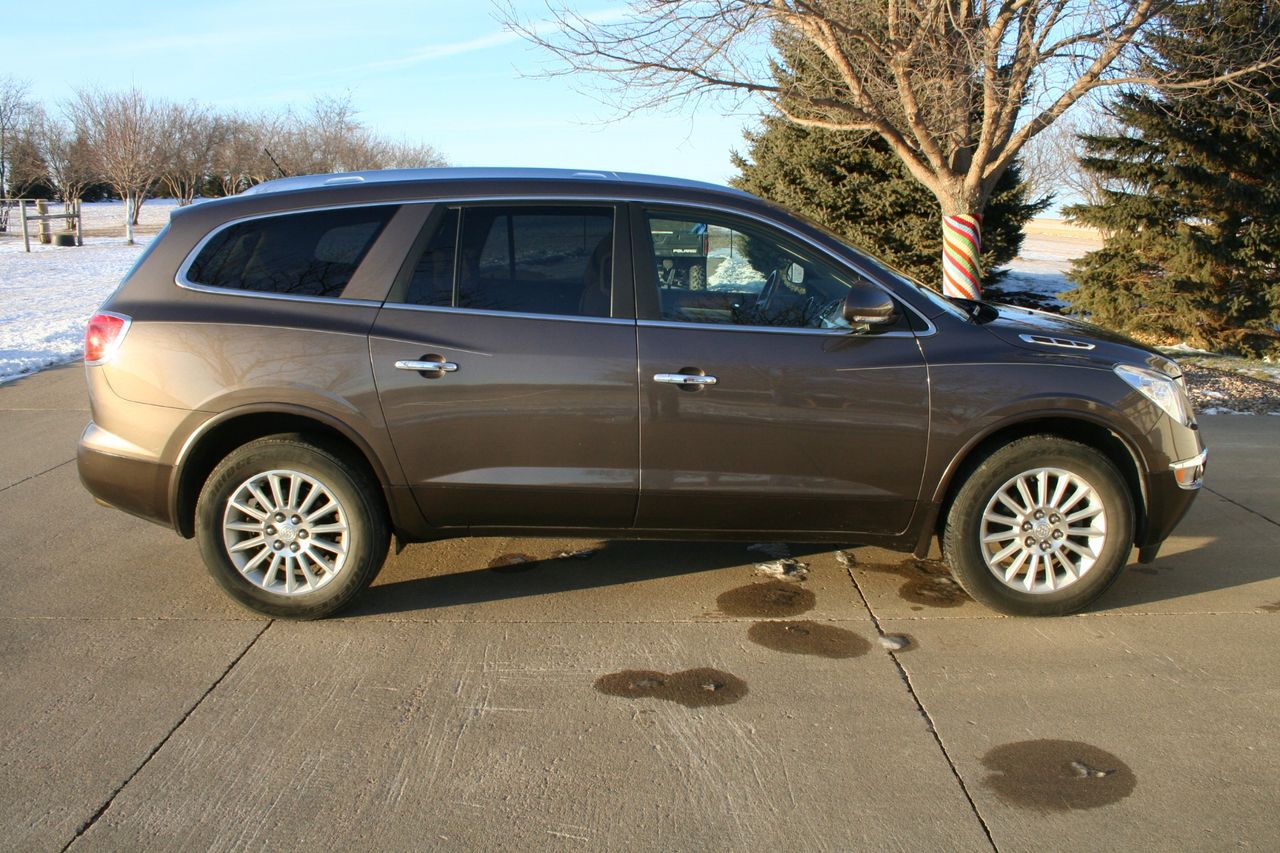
(1166,392)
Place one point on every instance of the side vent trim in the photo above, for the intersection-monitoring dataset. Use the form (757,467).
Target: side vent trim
(1065,343)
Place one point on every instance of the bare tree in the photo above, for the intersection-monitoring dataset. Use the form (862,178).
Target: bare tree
(411,155)
(957,88)
(194,133)
(330,138)
(125,133)
(1051,160)
(65,154)
(27,169)
(14,110)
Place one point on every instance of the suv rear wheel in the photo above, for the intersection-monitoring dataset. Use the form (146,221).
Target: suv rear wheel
(1042,527)
(290,529)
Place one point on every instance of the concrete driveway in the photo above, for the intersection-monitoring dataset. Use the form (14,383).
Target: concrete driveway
(464,707)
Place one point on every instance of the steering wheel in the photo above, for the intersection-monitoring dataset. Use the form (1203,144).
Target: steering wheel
(828,315)
(767,293)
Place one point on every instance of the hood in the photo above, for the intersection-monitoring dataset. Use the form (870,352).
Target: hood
(1053,334)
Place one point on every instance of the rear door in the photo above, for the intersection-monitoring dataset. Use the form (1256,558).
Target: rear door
(531,416)
(761,410)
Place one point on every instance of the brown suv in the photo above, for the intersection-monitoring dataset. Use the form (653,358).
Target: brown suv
(295,374)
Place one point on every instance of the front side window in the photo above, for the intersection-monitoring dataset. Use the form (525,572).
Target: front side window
(297,254)
(731,273)
(524,259)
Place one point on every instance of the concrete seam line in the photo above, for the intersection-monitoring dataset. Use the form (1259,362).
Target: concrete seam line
(87,825)
(33,476)
(928,719)
(1242,506)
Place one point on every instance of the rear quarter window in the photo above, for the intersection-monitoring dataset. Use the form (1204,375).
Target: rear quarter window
(295,254)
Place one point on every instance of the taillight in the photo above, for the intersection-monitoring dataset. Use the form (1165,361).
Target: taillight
(103,336)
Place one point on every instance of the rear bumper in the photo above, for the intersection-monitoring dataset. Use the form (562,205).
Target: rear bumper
(134,484)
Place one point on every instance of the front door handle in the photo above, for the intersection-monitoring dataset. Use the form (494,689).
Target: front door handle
(430,366)
(685,379)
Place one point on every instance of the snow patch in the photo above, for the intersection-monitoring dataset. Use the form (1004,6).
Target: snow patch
(47,296)
(786,569)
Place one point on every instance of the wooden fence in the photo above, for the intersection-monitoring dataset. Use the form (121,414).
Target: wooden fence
(72,234)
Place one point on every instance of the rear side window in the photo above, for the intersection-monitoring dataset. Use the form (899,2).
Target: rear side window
(295,254)
(525,259)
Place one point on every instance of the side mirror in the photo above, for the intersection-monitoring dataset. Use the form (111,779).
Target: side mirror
(867,306)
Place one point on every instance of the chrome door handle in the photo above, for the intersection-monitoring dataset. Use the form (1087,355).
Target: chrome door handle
(684,379)
(427,366)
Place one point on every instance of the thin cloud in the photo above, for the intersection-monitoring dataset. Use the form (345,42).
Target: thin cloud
(441,51)
(497,38)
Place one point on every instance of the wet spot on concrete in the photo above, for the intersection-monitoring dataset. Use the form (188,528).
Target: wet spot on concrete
(1273,607)
(808,638)
(928,582)
(898,642)
(771,599)
(510,563)
(692,688)
(1057,775)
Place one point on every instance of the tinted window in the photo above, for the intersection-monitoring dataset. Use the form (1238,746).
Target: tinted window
(536,260)
(432,282)
(724,272)
(300,254)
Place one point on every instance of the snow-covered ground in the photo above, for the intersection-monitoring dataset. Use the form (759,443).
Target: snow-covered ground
(1041,269)
(47,296)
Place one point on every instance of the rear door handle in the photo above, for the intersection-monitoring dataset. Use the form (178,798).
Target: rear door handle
(427,366)
(684,379)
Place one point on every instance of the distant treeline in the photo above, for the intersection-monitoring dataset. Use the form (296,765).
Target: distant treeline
(128,145)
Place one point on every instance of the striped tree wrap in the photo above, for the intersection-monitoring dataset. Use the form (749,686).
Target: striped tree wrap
(961,250)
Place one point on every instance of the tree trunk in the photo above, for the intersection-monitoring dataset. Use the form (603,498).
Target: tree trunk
(128,217)
(962,256)
(961,243)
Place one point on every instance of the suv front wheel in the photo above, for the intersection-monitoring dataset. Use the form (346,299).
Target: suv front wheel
(1042,527)
(290,529)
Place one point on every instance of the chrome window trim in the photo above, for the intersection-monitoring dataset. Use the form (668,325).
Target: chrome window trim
(180,277)
(783,330)
(610,201)
(523,315)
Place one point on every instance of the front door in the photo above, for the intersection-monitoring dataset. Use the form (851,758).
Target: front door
(530,419)
(761,410)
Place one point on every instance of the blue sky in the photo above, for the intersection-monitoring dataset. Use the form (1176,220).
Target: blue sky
(441,72)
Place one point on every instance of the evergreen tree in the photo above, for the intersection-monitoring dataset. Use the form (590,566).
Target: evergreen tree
(1191,220)
(854,185)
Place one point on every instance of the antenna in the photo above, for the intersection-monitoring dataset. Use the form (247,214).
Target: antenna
(282,172)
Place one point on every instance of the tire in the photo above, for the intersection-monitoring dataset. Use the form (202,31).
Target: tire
(697,277)
(1038,559)
(311,562)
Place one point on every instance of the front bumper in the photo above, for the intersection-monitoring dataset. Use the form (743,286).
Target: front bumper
(1189,473)
(1170,494)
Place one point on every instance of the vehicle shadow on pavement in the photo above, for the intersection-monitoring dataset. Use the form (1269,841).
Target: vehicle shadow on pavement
(1215,568)
(615,563)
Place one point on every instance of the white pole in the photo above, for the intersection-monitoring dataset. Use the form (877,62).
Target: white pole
(128,216)
(79,225)
(22,214)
